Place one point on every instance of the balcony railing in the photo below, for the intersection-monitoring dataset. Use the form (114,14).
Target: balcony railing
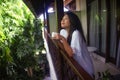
(66,68)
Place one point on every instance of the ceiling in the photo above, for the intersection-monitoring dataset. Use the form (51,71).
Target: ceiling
(38,6)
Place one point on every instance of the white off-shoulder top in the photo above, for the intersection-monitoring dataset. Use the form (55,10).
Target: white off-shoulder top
(81,54)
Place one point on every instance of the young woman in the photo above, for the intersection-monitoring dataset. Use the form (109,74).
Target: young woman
(73,40)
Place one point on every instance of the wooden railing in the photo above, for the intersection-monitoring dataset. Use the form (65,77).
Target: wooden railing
(66,68)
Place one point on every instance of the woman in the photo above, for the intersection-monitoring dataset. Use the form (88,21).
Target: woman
(73,40)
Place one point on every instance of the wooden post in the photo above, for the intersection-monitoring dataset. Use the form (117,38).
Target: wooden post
(59,13)
(46,17)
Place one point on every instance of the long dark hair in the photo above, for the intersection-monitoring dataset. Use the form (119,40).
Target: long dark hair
(75,25)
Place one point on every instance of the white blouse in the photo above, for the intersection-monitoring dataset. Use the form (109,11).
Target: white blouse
(81,54)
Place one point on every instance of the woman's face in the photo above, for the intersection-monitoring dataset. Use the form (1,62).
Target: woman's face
(65,22)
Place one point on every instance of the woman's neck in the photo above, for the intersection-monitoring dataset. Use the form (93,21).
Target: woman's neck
(68,30)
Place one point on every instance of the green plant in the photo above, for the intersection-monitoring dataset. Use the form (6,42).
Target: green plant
(27,48)
(104,75)
(20,38)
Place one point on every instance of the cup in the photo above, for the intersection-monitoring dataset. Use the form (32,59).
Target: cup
(54,33)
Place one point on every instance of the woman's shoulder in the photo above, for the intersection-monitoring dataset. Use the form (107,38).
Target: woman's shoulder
(63,32)
(76,32)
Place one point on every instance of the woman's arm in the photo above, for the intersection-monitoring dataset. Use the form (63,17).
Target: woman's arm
(67,47)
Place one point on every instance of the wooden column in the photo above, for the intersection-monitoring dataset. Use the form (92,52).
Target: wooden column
(58,61)
(46,17)
(59,13)
(107,55)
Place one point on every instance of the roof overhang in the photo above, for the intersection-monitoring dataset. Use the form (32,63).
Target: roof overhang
(39,6)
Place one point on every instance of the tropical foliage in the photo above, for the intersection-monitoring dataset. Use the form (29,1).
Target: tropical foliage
(20,38)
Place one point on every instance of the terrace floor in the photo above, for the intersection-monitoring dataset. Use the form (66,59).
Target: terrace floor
(101,66)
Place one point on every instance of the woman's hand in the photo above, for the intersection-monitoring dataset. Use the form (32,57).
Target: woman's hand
(57,36)
(63,40)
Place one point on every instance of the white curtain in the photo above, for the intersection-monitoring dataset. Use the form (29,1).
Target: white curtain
(94,27)
(98,26)
(113,34)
